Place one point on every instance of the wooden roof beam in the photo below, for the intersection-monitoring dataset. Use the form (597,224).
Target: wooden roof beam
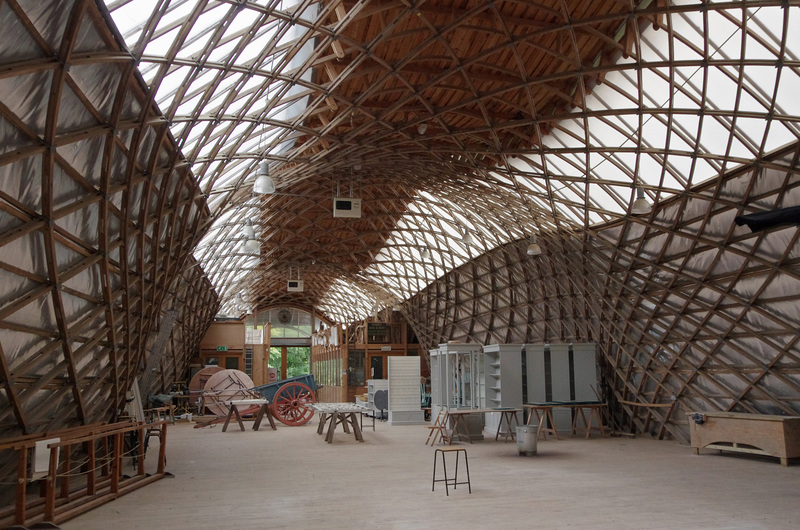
(460,72)
(454,12)
(341,15)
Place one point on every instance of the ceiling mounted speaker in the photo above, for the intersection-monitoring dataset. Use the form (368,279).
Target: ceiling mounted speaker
(344,207)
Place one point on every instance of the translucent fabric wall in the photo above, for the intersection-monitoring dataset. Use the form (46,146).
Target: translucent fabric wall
(98,217)
(689,309)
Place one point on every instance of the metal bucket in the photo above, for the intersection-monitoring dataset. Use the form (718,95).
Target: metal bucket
(527,435)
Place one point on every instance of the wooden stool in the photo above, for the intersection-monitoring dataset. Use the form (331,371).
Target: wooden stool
(450,481)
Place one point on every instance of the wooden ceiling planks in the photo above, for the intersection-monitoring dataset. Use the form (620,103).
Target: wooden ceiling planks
(428,57)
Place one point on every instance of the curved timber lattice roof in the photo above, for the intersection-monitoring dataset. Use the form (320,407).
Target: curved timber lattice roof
(536,117)
(133,131)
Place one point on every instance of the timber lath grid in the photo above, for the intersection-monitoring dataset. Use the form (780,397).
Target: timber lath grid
(685,319)
(99,214)
(538,118)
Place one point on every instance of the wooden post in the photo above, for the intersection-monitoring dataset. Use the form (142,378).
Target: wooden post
(66,464)
(258,363)
(162,450)
(22,483)
(91,478)
(50,485)
(116,466)
(140,451)
(342,354)
(105,469)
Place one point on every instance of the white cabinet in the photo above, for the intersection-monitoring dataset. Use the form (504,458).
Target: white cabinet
(404,391)
(561,372)
(585,360)
(457,382)
(537,384)
(560,385)
(503,369)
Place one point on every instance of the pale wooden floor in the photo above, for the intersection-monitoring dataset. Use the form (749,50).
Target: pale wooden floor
(290,478)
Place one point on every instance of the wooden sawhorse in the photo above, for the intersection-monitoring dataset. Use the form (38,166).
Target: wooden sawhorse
(259,406)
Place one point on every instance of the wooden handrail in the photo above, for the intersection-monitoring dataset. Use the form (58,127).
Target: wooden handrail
(60,503)
(29,440)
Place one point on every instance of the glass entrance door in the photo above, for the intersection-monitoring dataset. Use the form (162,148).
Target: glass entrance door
(291,361)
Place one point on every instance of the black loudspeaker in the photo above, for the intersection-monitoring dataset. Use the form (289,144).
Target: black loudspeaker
(381,402)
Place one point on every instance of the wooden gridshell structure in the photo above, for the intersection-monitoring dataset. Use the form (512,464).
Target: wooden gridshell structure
(133,132)
(99,214)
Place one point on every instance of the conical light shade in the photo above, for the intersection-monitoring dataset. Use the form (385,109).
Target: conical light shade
(425,254)
(533,248)
(467,238)
(252,246)
(248,232)
(264,185)
(640,205)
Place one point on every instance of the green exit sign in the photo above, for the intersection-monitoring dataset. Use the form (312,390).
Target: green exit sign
(222,348)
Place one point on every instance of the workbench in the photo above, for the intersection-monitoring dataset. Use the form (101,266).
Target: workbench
(461,428)
(334,414)
(544,416)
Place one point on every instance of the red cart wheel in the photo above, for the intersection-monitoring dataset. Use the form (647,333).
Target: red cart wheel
(289,404)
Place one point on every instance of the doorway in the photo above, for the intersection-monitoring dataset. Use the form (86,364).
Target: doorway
(376,366)
(291,361)
(379,364)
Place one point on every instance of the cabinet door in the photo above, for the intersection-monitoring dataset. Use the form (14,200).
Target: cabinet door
(585,370)
(536,377)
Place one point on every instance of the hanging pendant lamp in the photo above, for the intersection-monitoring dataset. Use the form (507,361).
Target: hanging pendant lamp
(264,185)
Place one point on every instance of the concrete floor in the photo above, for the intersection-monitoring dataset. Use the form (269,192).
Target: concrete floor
(290,478)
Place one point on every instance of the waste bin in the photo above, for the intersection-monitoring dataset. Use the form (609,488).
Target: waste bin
(526,439)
